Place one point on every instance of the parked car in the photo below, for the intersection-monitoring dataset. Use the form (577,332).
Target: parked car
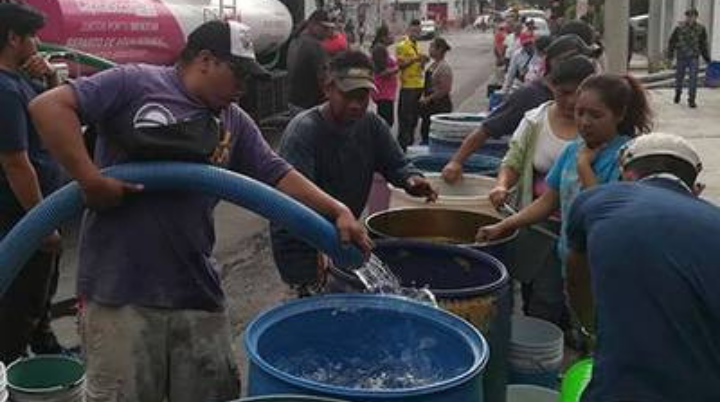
(541,26)
(428,29)
(527,13)
(532,13)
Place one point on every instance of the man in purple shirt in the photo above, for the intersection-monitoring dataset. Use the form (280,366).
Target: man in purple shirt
(154,325)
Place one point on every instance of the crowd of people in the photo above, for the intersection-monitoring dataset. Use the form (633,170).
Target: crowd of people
(633,256)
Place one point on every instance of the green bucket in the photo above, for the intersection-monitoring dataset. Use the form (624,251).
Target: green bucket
(46,378)
(576,380)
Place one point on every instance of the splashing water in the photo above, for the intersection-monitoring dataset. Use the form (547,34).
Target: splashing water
(410,367)
(377,277)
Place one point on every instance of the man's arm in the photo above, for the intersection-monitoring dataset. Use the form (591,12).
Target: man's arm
(580,289)
(672,43)
(704,48)
(579,284)
(452,172)
(55,114)
(297,186)
(395,166)
(22,177)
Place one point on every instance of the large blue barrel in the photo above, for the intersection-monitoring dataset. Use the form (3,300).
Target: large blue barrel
(449,130)
(365,348)
(465,281)
(288,398)
(495,99)
(493,147)
(712,74)
(485,165)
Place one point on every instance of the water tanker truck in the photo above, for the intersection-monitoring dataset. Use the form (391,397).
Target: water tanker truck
(154,31)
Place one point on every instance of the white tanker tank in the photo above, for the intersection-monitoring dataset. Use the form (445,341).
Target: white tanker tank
(154,31)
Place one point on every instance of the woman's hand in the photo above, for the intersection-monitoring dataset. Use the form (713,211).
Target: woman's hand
(492,232)
(498,196)
(586,156)
(585,159)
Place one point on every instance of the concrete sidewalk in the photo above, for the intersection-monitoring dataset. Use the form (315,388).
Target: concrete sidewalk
(700,126)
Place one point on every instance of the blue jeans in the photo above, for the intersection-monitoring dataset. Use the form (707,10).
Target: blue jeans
(683,64)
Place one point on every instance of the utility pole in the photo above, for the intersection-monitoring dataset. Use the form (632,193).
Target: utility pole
(655,35)
(616,31)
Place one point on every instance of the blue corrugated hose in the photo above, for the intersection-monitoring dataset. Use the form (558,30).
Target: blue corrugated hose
(24,239)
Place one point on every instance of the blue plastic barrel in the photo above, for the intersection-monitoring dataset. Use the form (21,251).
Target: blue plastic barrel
(492,147)
(496,99)
(712,74)
(465,281)
(288,398)
(369,348)
(485,165)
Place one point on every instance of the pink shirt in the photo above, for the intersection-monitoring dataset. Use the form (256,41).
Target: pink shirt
(387,86)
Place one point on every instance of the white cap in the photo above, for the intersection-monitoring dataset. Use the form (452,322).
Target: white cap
(654,144)
(240,43)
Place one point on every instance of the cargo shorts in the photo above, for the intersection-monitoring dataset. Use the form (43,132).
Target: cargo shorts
(139,354)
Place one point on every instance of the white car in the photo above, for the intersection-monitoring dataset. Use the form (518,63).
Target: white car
(428,29)
(527,13)
(541,26)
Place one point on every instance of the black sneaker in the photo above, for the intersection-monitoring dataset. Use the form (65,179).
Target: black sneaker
(692,104)
(677,97)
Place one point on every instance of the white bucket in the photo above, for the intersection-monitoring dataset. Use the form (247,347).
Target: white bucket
(531,393)
(535,352)
(533,333)
(469,194)
(3,384)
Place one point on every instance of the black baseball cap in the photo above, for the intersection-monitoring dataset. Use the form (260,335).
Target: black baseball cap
(229,40)
(568,45)
(321,17)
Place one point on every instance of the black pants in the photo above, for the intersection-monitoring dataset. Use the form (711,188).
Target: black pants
(386,110)
(408,114)
(25,304)
(443,105)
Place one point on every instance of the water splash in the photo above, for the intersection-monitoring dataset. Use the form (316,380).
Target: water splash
(369,368)
(377,277)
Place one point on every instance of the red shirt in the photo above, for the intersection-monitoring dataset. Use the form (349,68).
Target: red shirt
(336,43)
(500,42)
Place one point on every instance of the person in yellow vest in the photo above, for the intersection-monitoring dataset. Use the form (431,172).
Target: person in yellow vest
(412,63)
